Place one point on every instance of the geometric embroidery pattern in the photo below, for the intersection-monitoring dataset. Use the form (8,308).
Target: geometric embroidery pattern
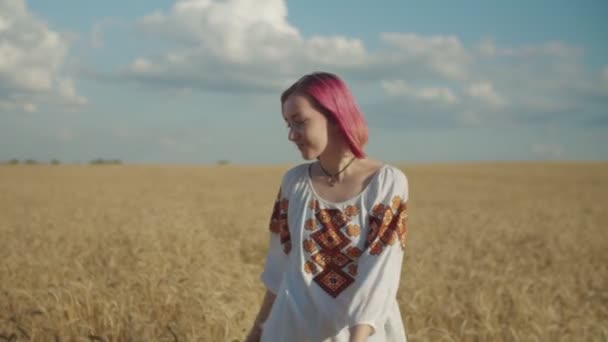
(387,225)
(332,264)
(278,222)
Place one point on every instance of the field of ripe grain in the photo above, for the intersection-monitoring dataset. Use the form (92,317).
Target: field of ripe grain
(496,252)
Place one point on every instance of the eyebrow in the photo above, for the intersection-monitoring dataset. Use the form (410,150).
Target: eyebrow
(292,116)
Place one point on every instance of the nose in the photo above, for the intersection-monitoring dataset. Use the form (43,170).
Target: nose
(292,135)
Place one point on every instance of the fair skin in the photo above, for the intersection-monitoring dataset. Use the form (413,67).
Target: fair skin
(317,137)
(256,332)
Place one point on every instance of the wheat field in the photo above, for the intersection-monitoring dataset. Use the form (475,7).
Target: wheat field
(495,251)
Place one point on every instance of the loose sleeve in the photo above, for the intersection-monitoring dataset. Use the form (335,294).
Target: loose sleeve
(279,245)
(379,268)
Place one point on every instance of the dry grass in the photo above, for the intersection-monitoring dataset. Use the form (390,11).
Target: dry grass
(496,252)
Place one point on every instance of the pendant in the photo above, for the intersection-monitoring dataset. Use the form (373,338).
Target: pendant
(331,181)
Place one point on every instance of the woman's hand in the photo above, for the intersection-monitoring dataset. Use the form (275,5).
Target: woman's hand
(360,333)
(254,334)
(256,331)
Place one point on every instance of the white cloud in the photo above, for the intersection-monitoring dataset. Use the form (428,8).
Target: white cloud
(176,145)
(237,31)
(443,55)
(484,91)
(31,57)
(488,48)
(338,51)
(242,45)
(548,151)
(142,65)
(435,94)
(237,45)
(30,108)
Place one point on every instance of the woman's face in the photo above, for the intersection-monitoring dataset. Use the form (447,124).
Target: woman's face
(308,128)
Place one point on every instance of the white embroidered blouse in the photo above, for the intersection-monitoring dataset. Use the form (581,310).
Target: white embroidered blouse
(336,265)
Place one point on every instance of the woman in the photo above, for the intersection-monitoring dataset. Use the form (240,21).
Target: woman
(338,228)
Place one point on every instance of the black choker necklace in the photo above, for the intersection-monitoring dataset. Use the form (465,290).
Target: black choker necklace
(332,179)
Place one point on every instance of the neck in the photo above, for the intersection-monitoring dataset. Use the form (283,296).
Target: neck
(335,161)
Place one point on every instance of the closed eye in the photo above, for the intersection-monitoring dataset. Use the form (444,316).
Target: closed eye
(298,123)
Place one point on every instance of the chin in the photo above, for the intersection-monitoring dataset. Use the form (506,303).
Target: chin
(308,154)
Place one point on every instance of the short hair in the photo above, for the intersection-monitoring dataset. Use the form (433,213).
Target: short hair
(330,95)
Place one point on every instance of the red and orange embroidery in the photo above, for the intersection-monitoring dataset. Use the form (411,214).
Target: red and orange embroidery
(352,269)
(387,224)
(278,222)
(332,258)
(353,230)
(310,224)
(326,244)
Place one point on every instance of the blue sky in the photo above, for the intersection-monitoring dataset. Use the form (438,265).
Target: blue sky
(196,81)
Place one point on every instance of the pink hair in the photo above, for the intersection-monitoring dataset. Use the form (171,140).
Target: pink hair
(330,95)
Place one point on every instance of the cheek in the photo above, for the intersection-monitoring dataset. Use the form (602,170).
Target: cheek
(315,140)
(317,134)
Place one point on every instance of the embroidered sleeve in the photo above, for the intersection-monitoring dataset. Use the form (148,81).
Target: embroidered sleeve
(387,225)
(379,268)
(279,245)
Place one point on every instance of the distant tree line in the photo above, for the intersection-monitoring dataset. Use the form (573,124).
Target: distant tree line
(105,161)
(98,161)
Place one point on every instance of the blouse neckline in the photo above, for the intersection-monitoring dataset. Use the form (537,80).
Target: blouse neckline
(374,177)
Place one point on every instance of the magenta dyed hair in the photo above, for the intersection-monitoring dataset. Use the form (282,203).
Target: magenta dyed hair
(330,95)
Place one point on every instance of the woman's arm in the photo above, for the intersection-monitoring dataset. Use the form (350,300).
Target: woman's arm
(379,266)
(256,331)
(360,332)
